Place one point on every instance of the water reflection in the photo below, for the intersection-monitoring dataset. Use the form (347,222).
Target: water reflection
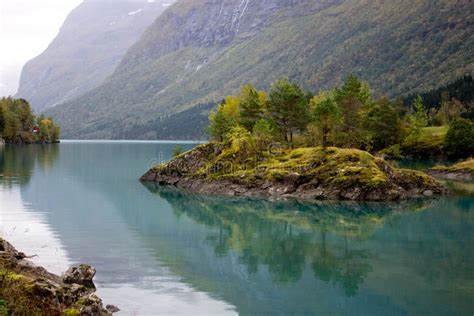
(167,252)
(18,162)
(286,235)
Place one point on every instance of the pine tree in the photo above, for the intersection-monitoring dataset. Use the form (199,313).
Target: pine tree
(420,117)
(383,125)
(326,115)
(288,107)
(252,104)
(351,98)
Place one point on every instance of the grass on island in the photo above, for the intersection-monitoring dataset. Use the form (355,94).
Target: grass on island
(467,165)
(429,141)
(338,167)
(331,165)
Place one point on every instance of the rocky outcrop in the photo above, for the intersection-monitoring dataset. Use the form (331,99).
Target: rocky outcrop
(453,175)
(31,290)
(82,275)
(305,173)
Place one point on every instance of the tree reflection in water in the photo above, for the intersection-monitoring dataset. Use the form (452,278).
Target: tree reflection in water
(285,236)
(17,162)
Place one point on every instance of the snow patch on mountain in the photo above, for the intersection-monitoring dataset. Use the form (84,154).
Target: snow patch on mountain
(135,12)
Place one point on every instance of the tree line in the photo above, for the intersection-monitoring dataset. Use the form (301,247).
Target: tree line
(345,116)
(18,124)
(461,90)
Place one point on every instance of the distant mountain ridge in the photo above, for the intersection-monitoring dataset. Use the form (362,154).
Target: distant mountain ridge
(201,50)
(90,45)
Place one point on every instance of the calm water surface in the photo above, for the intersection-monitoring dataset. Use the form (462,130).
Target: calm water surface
(160,251)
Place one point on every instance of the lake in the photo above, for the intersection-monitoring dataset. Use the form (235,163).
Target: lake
(160,251)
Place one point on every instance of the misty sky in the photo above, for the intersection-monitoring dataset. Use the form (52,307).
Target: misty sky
(26,29)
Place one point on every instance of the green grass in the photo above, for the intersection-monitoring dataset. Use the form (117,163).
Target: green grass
(430,141)
(332,166)
(467,165)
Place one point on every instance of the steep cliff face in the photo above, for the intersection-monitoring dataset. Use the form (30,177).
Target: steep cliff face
(89,46)
(208,23)
(198,51)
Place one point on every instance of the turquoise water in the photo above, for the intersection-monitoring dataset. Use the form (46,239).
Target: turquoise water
(161,251)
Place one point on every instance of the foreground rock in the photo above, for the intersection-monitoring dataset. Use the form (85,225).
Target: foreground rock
(305,173)
(27,289)
(463,171)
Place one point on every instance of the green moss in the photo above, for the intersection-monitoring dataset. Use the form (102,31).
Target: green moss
(467,165)
(334,166)
(71,312)
(81,301)
(158,168)
(393,152)
(414,177)
(9,275)
(274,175)
(3,307)
(29,288)
(14,289)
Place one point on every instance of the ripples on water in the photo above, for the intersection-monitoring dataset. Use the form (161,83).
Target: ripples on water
(161,251)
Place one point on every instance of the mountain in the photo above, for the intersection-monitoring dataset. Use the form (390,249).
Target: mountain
(91,43)
(198,51)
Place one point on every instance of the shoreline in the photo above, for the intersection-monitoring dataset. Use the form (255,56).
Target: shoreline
(30,289)
(461,171)
(459,175)
(30,143)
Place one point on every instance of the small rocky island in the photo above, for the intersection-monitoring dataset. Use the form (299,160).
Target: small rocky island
(290,143)
(27,289)
(304,173)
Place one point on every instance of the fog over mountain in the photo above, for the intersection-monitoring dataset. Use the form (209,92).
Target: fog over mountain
(27,28)
(90,44)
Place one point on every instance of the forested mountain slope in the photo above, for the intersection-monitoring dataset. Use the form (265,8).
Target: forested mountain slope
(91,43)
(199,51)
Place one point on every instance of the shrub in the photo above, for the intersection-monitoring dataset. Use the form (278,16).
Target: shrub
(263,134)
(459,142)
